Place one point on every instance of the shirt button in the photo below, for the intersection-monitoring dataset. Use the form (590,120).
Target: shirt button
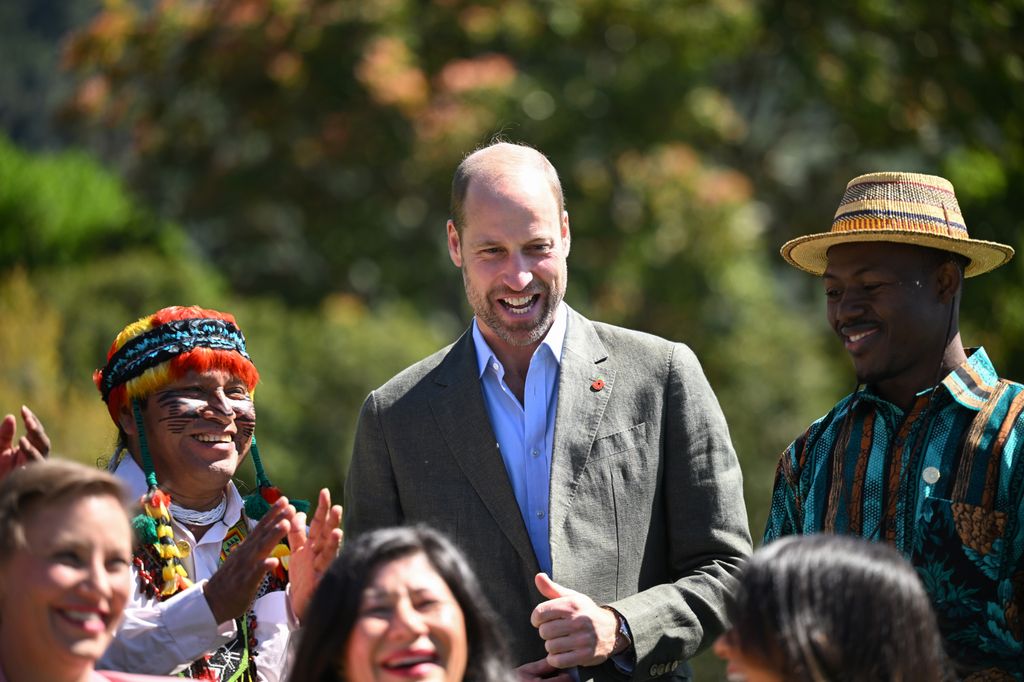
(495,367)
(931,475)
(535,453)
(540,515)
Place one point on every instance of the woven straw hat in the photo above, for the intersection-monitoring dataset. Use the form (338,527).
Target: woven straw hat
(908,208)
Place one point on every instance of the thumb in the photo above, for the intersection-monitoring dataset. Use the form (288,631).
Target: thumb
(7,429)
(549,588)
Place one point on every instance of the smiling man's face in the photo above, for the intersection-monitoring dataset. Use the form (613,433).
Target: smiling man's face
(199,429)
(885,306)
(512,251)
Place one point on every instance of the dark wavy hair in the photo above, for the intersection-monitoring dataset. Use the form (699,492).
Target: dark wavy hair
(335,605)
(827,608)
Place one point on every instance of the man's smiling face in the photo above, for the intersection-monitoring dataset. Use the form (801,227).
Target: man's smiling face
(512,251)
(884,305)
(199,429)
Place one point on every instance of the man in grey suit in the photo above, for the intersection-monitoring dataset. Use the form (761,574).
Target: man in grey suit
(586,470)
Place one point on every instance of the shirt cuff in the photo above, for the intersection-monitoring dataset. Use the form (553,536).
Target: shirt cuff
(293,620)
(626,661)
(189,620)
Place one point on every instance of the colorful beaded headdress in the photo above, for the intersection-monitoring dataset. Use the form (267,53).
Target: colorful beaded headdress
(908,208)
(146,356)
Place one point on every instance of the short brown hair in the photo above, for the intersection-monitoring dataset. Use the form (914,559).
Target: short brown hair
(47,483)
(496,160)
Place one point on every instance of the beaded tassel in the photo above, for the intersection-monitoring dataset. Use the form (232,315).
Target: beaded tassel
(258,504)
(154,524)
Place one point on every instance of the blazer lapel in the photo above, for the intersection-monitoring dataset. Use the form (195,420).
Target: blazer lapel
(581,404)
(462,418)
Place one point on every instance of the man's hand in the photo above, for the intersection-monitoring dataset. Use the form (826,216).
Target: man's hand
(541,671)
(34,446)
(233,587)
(576,631)
(312,555)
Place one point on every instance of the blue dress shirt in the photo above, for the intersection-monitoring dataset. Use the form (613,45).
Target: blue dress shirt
(526,431)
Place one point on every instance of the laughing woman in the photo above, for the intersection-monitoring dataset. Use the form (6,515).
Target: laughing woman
(65,552)
(401,604)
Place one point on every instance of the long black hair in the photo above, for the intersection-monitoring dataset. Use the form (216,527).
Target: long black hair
(826,608)
(335,606)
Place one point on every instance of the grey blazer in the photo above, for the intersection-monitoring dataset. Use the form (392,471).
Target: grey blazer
(646,502)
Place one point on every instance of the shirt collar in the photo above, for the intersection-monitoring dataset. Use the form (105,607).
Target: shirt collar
(971,384)
(974,382)
(132,476)
(554,340)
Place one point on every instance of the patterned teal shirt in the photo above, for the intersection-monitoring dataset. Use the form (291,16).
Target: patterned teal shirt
(943,484)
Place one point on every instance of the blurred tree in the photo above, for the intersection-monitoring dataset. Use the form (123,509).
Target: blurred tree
(57,209)
(31,85)
(31,370)
(307,146)
(348,118)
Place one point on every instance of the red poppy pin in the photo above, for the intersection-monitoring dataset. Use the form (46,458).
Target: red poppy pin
(597,384)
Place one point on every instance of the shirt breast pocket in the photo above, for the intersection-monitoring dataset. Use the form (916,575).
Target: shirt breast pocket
(621,441)
(960,552)
(962,533)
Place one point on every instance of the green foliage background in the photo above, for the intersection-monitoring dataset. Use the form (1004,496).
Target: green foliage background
(289,161)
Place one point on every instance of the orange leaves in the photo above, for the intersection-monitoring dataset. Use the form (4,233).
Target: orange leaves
(389,72)
(286,68)
(90,99)
(489,71)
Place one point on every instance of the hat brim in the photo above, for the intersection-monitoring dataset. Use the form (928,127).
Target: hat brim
(810,253)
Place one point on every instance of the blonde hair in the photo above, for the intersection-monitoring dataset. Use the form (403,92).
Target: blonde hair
(52,482)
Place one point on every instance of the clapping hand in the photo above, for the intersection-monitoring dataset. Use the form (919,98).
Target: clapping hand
(312,554)
(232,588)
(34,446)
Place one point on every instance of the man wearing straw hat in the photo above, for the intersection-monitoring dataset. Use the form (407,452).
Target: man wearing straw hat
(925,454)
